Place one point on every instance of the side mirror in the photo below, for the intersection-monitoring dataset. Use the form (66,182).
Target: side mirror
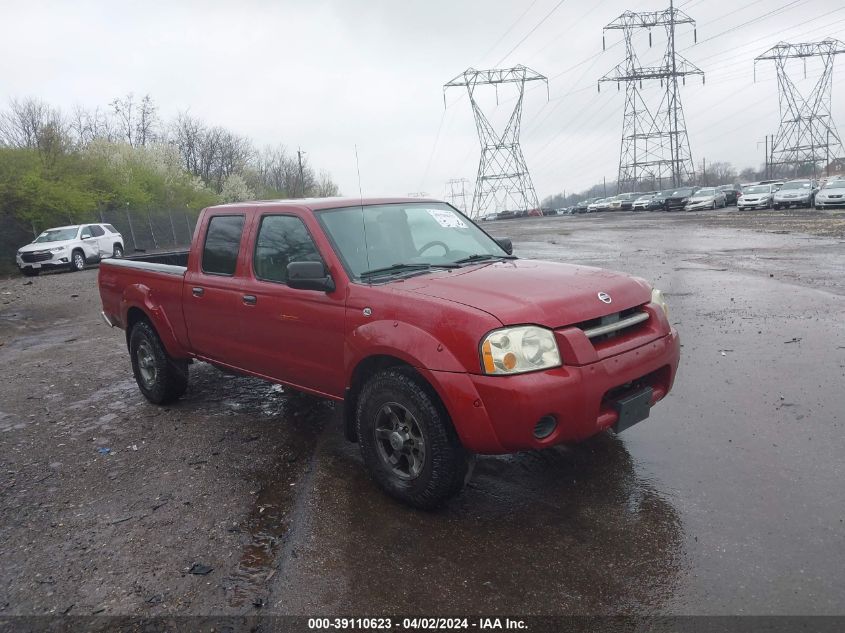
(87,237)
(506,244)
(309,276)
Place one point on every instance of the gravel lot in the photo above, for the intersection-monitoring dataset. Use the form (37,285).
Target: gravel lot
(728,500)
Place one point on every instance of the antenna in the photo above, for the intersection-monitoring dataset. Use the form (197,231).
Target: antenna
(361,198)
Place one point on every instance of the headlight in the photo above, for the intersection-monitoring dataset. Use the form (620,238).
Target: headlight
(58,249)
(515,350)
(658,298)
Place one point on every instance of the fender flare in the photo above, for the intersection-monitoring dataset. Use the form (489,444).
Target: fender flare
(139,296)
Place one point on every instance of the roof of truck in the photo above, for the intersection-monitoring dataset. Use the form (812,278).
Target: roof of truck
(316,204)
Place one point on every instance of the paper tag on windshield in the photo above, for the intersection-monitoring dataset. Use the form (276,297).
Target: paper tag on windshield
(447,219)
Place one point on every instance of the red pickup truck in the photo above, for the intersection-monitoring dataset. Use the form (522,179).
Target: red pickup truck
(439,342)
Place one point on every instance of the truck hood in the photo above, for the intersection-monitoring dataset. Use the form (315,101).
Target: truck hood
(545,293)
(45,246)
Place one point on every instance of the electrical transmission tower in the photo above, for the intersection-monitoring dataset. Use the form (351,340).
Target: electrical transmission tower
(503,182)
(655,145)
(456,193)
(806,134)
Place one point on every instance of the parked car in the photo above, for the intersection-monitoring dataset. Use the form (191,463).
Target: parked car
(489,217)
(594,205)
(627,200)
(732,193)
(429,367)
(658,201)
(69,247)
(581,207)
(831,195)
(506,215)
(756,197)
(641,203)
(614,203)
(604,204)
(677,198)
(706,198)
(798,193)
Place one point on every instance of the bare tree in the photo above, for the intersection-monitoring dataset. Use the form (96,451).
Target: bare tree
(24,123)
(124,113)
(147,122)
(325,187)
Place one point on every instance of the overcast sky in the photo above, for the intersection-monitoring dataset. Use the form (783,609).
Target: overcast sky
(326,75)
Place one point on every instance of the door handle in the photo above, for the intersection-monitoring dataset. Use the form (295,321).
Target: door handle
(250,300)
(197,292)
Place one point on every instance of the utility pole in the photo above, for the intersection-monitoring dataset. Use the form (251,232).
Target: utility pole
(704,171)
(653,145)
(604,183)
(767,155)
(503,181)
(299,154)
(806,134)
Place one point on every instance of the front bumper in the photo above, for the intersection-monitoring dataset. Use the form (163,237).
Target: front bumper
(822,203)
(56,260)
(697,206)
(498,414)
(788,202)
(759,204)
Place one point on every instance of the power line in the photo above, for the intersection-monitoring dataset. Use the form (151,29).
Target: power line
(527,35)
(510,28)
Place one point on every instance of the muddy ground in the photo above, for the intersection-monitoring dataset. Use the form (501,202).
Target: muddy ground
(727,500)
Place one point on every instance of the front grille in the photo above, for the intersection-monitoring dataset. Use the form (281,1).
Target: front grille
(37,256)
(613,325)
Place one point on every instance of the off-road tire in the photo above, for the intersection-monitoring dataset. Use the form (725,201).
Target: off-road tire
(170,376)
(446,465)
(77,261)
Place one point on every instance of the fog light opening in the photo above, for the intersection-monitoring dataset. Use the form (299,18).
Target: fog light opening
(545,426)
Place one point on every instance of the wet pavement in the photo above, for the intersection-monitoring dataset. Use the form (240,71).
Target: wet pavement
(727,500)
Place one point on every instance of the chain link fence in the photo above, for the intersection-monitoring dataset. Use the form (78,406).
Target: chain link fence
(143,231)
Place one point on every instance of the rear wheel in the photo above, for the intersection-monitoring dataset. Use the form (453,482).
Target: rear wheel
(160,378)
(77,261)
(407,440)
(117,253)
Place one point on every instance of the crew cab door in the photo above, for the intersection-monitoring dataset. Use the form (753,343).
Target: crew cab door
(212,292)
(294,336)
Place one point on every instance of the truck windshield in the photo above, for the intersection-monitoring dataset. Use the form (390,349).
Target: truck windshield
(405,238)
(56,235)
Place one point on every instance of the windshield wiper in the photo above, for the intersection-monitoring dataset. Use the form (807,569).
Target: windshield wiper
(479,258)
(401,268)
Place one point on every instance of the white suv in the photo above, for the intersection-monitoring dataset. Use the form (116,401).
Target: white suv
(69,247)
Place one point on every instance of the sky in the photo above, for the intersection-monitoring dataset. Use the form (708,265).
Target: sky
(330,76)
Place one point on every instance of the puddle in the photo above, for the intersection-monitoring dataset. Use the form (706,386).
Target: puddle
(266,528)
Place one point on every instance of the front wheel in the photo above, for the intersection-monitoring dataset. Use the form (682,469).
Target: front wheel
(161,379)
(77,261)
(407,440)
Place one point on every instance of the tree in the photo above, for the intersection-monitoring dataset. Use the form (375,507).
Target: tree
(27,120)
(235,189)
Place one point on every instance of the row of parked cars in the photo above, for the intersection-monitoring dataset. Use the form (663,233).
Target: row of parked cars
(775,194)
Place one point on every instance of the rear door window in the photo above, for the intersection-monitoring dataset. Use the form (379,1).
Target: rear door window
(282,239)
(96,231)
(222,244)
